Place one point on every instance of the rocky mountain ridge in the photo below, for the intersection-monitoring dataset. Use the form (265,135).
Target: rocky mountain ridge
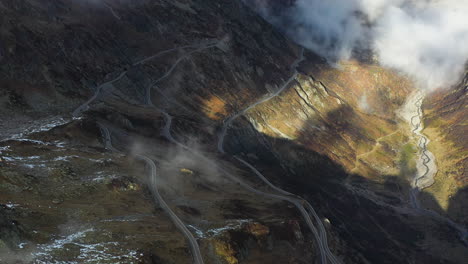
(86,86)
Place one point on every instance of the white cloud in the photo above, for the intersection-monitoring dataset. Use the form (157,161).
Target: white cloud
(425,39)
(429,42)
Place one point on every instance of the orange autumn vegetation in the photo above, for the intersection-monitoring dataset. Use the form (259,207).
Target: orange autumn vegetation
(214,107)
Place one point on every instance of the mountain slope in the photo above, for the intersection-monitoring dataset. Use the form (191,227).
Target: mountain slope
(105,105)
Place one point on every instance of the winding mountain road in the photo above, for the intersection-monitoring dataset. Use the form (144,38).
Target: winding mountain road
(194,248)
(168,118)
(286,196)
(84,107)
(109,84)
(166,132)
(165,75)
(227,122)
(296,202)
(302,204)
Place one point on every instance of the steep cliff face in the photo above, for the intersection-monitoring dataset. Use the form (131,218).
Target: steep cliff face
(107,106)
(341,113)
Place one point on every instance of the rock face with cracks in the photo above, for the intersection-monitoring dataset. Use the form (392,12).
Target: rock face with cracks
(315,167)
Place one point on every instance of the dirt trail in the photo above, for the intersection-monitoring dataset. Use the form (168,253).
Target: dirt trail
(374,148)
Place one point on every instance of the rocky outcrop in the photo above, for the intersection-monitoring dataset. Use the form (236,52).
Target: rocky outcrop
(341,113)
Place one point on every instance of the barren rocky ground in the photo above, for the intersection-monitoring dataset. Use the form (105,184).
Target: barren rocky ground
(262,150)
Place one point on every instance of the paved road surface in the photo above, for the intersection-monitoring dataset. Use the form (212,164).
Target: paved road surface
(196,254)
(298,202)
(84,107)
(166,132)
(194,248)
(228,121)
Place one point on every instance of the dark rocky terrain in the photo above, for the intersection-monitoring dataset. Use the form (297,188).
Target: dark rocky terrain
(87,88)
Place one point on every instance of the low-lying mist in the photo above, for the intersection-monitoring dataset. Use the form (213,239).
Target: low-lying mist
(425,39)
(180,169)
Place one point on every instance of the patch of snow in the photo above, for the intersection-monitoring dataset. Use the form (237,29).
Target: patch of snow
(59,144)
(40,126)
(6,148)
(44,250)
(24,161)
(126,218)
(21,158)
(100,161)
(232,225)
(21,245)
(32,166)
(38,142)
(89,253)
(65,158)
(56,143)
(101,177)
(11,205)
(199,233)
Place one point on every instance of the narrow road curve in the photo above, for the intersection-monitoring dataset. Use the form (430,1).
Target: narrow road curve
(194,248)
(196,254)
(167,134)
(168,118)
(181,59)
(298,202)
(323,241)
(106,136)
(227,122)
(84,107)
(111,9)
